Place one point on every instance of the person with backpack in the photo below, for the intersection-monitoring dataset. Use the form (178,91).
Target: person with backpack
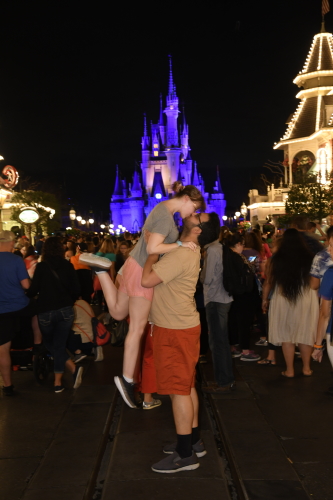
(239,281)
(217,304)
(57,286)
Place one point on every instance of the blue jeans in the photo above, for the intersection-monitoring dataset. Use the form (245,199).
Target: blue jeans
(217,319)
(55,327)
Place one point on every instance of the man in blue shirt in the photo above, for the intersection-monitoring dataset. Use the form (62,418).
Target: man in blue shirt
(14,280)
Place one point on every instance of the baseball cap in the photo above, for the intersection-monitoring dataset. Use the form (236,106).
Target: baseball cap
(6,236)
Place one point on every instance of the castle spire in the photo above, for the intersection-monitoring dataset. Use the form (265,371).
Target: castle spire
(195,181)
(145,138)
(172,88)
(218,181)
(118,188)
(184,120)
(160,122)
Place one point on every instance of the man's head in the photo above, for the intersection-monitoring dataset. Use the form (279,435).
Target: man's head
(7,241)
(312,227)
(300,222)
(202,228)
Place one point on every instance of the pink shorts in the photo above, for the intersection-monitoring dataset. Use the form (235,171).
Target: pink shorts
(131,282)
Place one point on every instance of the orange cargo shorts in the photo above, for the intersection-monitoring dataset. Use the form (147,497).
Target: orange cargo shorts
(176,353)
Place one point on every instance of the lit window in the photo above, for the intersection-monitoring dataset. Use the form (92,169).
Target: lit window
(158,196)
(155,146)
(155,153)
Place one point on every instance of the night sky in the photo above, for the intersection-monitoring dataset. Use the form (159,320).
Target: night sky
(76,80)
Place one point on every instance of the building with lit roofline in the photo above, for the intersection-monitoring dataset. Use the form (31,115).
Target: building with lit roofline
(308,141)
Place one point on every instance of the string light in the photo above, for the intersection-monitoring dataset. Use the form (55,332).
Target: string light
(315,90)
(320,52)
(319,99)
(294,120)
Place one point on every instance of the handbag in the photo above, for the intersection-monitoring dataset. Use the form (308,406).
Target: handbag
(119,333)
(102,336)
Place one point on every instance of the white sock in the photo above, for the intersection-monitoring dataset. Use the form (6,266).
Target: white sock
(129,380)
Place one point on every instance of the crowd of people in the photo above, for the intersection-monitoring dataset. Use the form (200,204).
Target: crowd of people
(180,293)
(49,284)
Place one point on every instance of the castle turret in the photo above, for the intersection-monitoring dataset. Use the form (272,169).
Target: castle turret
(172,112)
(117,200)
(161,122)
(145,152)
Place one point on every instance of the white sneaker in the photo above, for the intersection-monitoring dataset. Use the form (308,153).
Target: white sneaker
(98,352)
(95,261)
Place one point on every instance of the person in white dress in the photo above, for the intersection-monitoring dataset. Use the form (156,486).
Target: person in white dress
(294,307)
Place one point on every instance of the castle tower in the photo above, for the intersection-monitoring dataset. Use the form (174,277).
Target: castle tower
(172,149)
(145,144)
(307,142)
(117,200)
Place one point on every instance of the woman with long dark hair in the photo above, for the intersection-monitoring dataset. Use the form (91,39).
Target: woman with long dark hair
(293,310)
(56,284)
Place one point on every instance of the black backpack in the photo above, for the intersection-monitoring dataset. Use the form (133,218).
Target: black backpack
(237,276)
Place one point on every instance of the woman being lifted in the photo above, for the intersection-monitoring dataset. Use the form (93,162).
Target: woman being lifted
(131,298)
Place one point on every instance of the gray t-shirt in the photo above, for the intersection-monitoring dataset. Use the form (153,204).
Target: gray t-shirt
(160,221)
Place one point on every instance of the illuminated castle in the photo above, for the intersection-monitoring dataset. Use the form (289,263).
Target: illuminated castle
(166,158)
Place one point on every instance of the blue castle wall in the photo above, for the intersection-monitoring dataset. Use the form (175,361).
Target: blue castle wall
(166,158)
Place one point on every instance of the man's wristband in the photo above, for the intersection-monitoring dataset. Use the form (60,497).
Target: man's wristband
(318,346)
(179,243)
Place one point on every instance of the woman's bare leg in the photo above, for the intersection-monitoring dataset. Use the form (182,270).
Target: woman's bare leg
(117,301)
(288,350)
(138,310)
(306,351)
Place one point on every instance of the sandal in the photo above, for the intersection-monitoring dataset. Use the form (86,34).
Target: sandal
(286,376)
(266,361)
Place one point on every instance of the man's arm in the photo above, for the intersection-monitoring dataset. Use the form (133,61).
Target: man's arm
(314,283)
(25,284)
(211,259)
(149,277)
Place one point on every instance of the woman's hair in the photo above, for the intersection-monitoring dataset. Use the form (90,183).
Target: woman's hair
(194,194)
(232,239)
(30,251)
(252,241)
(52,247)
(107,246)
(124,243)
(224,231)
(329,233)
(290,265)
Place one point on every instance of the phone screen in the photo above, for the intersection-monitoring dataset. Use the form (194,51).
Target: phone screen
(252,259)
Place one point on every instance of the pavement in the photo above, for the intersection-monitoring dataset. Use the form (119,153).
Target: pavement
(269,439)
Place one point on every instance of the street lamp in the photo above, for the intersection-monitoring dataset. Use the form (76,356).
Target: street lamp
(102,226)
(72,216)
(91,221)
(79,218)
(237,214)
(83,221)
